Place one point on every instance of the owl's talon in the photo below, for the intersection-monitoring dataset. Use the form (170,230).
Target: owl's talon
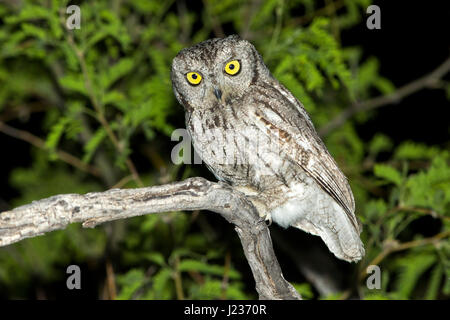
(261,220)
(267,219)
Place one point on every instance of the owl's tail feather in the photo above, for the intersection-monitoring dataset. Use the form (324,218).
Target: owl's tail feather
(341,237)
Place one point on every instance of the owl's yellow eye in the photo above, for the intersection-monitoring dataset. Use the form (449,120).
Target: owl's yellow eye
(232,67)
(194,78)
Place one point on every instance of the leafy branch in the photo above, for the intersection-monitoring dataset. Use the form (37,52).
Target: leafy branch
(394,246)
(99,111)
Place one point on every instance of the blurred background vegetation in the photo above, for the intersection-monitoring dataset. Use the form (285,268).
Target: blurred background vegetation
(92,109)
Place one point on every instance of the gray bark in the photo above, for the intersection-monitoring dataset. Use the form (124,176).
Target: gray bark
(94,208)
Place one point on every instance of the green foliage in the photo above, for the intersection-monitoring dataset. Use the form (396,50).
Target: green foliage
(413,196)
(379,143)
(411,268)
(206,268)
(103,95)
(304,289)
(388,173)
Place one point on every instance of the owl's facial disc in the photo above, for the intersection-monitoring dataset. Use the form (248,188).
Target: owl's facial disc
(216,72)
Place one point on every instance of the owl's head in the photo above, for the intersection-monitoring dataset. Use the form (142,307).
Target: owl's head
(216,71)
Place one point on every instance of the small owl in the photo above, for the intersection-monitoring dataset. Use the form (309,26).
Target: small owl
(252,133)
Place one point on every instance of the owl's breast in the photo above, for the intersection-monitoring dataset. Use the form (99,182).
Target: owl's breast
(235,149)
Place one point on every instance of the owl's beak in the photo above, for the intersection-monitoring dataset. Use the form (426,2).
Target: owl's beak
(218,94)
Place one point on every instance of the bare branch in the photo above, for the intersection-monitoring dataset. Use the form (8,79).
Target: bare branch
(95,208)
(426,81)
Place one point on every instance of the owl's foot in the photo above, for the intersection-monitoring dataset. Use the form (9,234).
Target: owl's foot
(266,219)
(260,206)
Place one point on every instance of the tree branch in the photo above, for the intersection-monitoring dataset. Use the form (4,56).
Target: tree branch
(95,208)
(426,81)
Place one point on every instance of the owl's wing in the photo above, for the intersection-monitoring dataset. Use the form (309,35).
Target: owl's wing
(304,147)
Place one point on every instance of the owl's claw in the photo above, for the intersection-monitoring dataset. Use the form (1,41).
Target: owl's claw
(267,220)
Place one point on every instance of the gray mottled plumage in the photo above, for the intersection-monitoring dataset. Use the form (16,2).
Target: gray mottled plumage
(254,134)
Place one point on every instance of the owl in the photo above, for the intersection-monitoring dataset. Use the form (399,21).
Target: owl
(253,134)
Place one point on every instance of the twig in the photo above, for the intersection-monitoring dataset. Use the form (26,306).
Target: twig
(21,111)
(38,142)
(184,22)
(177,279)
(430,212)
(110,281)
(122,182)
(197,277)
(395,247)
(404,208)
(277,28)
(226,275)
(100,114)
(248,17)
(95,208)
(329,9)
(215,23)
(107,171)
(426,81)
(333,20)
